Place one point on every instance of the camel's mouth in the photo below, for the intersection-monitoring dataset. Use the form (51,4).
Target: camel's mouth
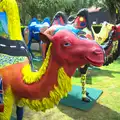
(94,62)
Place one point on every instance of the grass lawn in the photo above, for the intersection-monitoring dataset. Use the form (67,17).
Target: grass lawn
(106,78)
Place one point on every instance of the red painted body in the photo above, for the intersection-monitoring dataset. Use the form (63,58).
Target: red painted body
(1,107)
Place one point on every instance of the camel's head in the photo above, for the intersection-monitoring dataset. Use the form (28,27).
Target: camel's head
(107,26)
(69,50)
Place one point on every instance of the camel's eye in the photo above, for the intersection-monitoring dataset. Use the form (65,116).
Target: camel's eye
(67,44)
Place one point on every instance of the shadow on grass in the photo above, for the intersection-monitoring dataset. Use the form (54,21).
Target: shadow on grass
(102,73)
(96,72)
(98,112)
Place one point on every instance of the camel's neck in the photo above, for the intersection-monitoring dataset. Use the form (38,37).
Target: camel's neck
(47,81)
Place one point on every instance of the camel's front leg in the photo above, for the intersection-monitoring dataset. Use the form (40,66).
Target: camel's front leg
(8,104)
(19,113)
(83,71)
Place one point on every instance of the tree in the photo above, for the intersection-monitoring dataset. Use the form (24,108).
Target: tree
(48,8)
(41,8)
(112,6)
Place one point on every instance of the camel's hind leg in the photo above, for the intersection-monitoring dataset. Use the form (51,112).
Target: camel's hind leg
(19,112)
(83,72)
(8,103)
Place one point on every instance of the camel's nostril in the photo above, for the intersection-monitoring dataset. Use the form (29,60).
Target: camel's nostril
(97,51)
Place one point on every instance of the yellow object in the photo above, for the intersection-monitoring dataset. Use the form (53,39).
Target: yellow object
(81,19)
(116,11)
(8,104)
(83,81)
(103,34)
(12,12)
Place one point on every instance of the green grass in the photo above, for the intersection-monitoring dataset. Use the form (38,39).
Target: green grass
(106,78)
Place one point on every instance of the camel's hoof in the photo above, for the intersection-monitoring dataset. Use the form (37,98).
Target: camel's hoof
(87,93)
(86,99)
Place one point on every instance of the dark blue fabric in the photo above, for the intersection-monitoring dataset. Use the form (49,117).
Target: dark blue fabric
(19,113)
(0,83)
(83,24)
(1,98)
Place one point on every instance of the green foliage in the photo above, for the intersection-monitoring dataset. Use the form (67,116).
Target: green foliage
(41,8)
(48,8)
(78,4)
(45,8)
(112,5)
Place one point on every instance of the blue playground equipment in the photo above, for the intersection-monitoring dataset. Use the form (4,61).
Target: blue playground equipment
(33,29)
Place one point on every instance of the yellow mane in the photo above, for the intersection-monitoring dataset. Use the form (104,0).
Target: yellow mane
(60,91)
(29,76)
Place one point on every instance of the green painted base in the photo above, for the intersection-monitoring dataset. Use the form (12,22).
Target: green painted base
(13,118)
(74,98)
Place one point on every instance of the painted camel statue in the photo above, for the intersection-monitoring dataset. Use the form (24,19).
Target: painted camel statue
(81,27)
(43,89)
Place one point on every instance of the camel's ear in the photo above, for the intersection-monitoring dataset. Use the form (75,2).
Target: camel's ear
(45,38)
